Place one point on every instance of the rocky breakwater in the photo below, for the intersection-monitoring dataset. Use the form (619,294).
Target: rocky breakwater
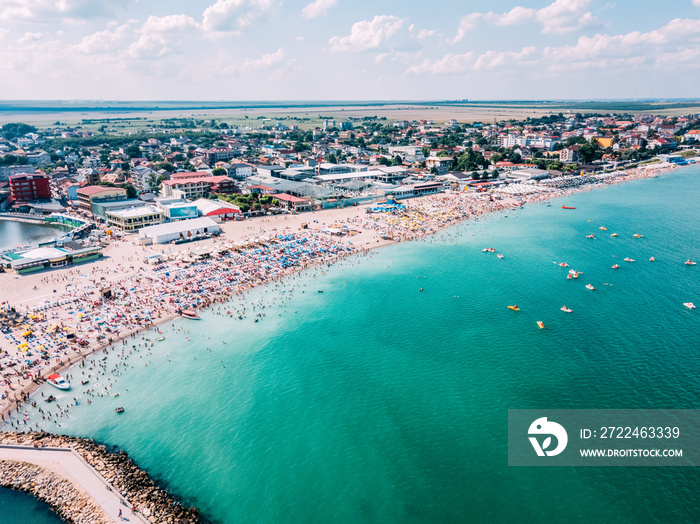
(134,484)
(71,504)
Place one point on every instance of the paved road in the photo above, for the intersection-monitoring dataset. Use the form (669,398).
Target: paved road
(69,465)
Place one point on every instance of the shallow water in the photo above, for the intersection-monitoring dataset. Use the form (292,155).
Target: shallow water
(13,234)
(376,401)
(17,507)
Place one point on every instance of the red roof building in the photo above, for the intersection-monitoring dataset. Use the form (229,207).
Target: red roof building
(292,203)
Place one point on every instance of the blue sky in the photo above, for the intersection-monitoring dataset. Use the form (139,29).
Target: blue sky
(348,49)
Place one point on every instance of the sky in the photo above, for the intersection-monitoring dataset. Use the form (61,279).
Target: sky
(348,49)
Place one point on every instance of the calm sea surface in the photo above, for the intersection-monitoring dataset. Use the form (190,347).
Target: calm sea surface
(13,234)
(377,402)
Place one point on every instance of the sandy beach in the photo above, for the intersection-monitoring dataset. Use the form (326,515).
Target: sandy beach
(69,319)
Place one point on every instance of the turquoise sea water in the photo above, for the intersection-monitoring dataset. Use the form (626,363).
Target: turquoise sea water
(13,234)
(21,507)
(377,402)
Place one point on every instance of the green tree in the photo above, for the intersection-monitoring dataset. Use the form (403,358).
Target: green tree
(331,158)
(219,171)
(14,130)
(153,181)
(133,151)
(167,166)
(587,152)
(397,161)
(130,190)
(383,161)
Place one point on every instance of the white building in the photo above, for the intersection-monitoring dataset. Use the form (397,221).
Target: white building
(181,230)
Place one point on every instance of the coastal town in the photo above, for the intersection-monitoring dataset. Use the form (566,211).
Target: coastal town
(163,227)
(242,206)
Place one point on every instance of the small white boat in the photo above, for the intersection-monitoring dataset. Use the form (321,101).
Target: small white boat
(590,286)
(628,259)
(690,263)
(57,381)
(188,313)
(499,255)
(566,309)
(689,305)
(651,259)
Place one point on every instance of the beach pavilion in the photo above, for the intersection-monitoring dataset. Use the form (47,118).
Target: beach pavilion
(182,230)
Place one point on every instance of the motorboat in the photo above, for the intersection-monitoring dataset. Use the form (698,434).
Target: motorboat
(637,235)
(616,266)
(569,277)
(590,236)
(514,308)
(590,286)
(573,273)
(652,259)
(603,228)
(567,207)
(690,263)
(628,259)
(540,324)
(566,309)
(614,235)
(689,305)
(119,410)
(564,264)
(188,313)
(57,381)
(160,339)
(499,255)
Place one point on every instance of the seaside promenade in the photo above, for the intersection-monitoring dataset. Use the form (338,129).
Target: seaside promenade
(69,465)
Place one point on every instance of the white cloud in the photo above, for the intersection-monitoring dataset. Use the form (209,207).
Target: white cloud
(155,38)
(449,64)
(675,44)
(317,8)
(266,61)
(517,15)
(103,41)
(466,24)
(150,46)
(566,16)
(170,23)
(675,38)
(235,16)
(561,16)
(45,10)
(503,59)
(397,56)
(696,2)
(30,37)
(367,34)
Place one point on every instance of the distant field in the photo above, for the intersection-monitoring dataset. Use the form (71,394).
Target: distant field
(126,117)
